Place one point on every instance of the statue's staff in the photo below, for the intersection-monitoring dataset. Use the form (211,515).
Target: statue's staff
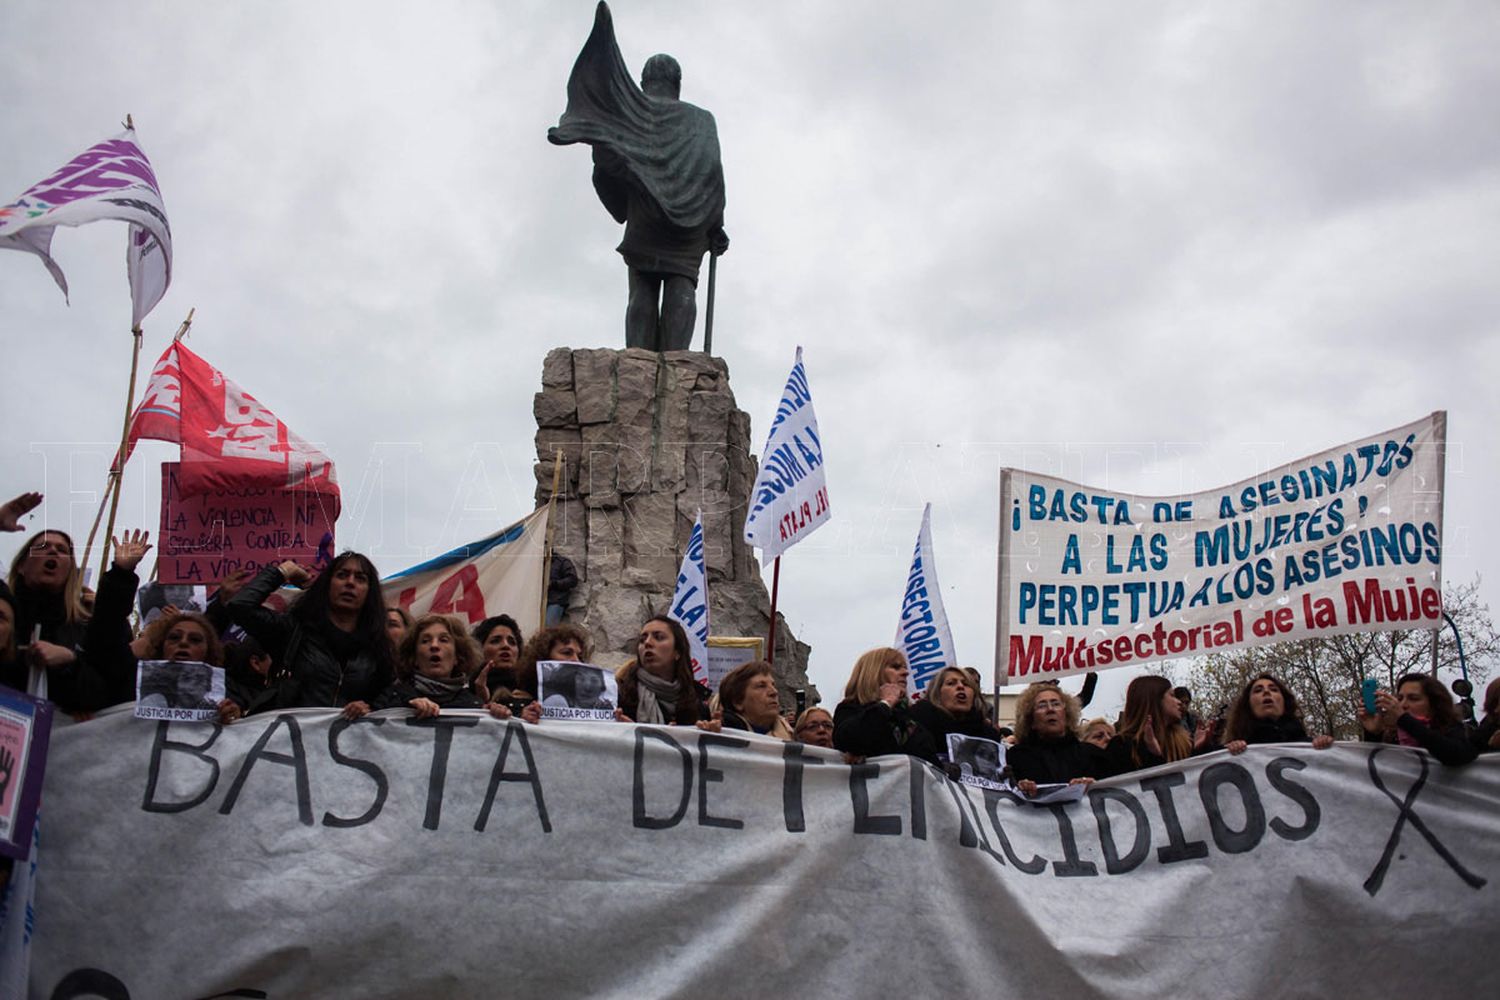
(708,314)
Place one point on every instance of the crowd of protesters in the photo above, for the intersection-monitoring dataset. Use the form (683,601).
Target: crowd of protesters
(338,645)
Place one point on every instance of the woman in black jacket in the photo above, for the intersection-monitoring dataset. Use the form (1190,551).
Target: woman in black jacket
(951,704)
(1420,714)
(1048,750)
(875,719)
(1266,712)
(331,647)
(48,599)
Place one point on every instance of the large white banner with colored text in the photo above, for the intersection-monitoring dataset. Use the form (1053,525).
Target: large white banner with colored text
(300,854)
(1348,540)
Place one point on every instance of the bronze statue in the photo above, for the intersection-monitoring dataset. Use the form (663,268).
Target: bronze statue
(657,170)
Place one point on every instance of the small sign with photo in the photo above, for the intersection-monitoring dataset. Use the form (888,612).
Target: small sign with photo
(980,762)
(570,690)
(178,691)
(25,725)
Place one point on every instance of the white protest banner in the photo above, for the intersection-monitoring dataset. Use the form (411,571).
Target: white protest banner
(690,603)
(922,632)
(571,690)
(280,854)
(501,574)
(789,500)
(1348,540)
(109,180)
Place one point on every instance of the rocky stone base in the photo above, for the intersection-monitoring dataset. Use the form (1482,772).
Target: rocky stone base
(647,441)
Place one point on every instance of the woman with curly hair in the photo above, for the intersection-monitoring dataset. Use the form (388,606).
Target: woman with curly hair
(1151,731)
(500,643)
(875,719)
(559,642)
(1047,750)
(1266,712)
(436,660)
(1420,714)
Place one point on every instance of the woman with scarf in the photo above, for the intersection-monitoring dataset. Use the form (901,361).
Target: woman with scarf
(951,703)
(875,719)
(657,687)
(1420,714)
(331,647)
(437,659)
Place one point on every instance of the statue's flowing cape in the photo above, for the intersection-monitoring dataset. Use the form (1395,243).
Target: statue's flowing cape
(670,148)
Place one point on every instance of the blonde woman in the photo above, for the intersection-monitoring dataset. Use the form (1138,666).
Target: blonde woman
(874,719)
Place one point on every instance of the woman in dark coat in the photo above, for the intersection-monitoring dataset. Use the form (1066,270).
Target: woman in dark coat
(658,686)
(875,719)
(1048,750)
(331,648)
(951,704)
(1420,714)
(437,659)
(1266,712)
(47,597)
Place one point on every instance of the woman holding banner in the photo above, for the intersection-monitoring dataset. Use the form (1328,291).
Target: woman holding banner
(437,659)
(1047,751)
(1151,731)
(875,719)
(657,687)
(331,645)
(1266,712)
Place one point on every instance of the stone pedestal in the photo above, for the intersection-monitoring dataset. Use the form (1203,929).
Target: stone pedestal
(647,441)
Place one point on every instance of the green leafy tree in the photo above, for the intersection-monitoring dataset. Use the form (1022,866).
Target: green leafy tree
(1325,673)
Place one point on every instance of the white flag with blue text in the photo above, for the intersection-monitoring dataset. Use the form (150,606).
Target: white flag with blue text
(790,497)
(922,633)
(690,602)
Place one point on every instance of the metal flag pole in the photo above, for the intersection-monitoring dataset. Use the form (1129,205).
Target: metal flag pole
(558,458)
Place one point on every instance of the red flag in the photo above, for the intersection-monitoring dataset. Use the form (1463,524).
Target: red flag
(159,414)
(231,441)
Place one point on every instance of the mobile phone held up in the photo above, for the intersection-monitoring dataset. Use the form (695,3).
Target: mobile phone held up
(1367,692)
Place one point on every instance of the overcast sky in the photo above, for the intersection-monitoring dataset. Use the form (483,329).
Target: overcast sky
(1155,248)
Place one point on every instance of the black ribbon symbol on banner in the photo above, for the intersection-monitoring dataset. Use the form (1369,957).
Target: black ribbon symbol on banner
(1377,877)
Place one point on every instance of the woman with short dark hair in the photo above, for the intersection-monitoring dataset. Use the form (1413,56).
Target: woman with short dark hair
(500,642)
(1420,714)
(750,701)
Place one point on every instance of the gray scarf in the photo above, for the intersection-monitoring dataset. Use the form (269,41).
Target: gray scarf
(437,688)
(658,698)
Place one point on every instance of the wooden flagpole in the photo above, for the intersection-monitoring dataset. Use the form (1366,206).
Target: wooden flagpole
(117,468)
(775,588)
(558,461)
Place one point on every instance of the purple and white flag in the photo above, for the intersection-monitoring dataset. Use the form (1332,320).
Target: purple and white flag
(922,633)
(690,603)
(110,180)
